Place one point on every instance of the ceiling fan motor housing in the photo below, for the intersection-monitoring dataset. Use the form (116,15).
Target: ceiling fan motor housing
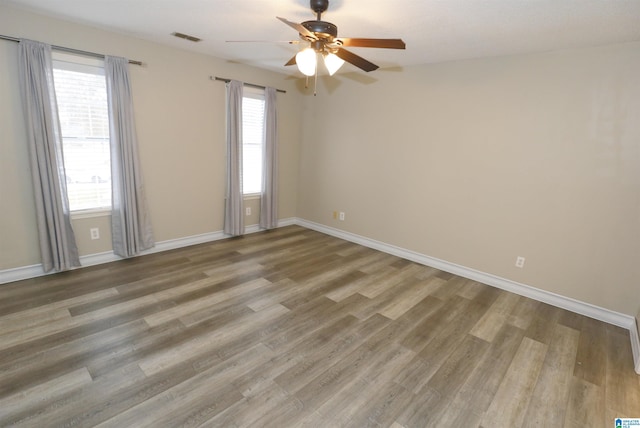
(322,29)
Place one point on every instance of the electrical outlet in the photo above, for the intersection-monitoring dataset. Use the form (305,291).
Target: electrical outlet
(248,210)
(520,262)
(341,216)
(95,233)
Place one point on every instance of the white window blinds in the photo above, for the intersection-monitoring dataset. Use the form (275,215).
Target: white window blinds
(82,108)
(252,141)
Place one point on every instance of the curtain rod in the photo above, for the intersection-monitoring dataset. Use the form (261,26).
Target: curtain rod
(70,50)
(224,79)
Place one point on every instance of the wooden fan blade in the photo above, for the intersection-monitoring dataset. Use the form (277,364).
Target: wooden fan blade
(299,28)
(372,43)
(356,60)
(291,42)
(292,61)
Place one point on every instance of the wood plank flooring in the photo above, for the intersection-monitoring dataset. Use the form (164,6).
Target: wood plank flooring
(292,328)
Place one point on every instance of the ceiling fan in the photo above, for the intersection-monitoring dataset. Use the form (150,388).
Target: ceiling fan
(323,39)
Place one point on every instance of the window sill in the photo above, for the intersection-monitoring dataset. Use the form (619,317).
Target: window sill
(249,196)
(98,212)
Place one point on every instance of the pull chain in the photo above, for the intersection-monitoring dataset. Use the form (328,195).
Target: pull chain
(315,79)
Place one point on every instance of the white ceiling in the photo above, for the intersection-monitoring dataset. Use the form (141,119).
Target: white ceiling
(434,30)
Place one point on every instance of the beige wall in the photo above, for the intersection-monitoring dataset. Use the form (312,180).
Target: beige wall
(180,117)
(473,162)
(478,162)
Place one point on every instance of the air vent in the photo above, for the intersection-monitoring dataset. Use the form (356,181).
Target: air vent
(186,37)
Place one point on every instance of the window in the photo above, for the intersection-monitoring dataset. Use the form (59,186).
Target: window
(252,140)
(81,95)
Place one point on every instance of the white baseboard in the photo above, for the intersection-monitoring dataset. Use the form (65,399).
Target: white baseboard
(592,311)
(33,271)
(20,273)
(635,343)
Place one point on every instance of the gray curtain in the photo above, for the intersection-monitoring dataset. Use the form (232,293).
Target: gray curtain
(233,215)
(269,198)
(58,248)
(130,223)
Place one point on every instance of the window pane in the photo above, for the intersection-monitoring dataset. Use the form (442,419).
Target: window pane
(252,136)
(84,121)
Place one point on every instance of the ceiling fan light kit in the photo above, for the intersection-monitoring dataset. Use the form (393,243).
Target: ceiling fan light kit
(307,62)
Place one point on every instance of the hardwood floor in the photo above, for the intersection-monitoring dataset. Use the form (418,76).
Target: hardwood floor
(295,328)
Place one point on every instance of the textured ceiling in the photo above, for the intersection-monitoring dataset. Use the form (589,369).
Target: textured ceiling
(434,30)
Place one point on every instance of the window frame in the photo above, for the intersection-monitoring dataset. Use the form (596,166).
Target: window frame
(259,94)
(87,65)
